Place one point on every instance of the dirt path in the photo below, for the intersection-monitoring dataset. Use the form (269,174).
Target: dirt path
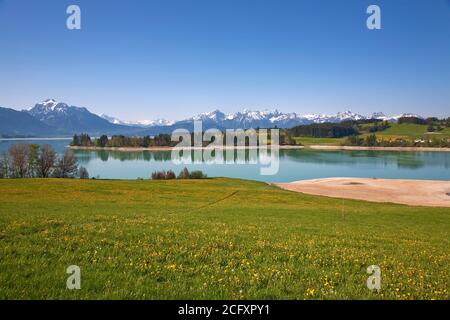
(410,192)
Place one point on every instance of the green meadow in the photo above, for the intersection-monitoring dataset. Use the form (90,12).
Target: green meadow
(412,131)
(395,131)
(213,239)
(308,141)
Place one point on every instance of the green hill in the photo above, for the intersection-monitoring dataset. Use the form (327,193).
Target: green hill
(411,131)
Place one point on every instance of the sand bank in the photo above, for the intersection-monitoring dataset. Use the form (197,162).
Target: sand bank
(411,192)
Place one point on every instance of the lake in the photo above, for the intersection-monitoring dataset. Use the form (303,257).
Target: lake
(294,164)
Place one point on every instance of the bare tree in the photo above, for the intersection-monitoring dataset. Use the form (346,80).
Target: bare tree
(18,154)
(4,167)
(33,156)
(83,173)
(66,166)
(46,161)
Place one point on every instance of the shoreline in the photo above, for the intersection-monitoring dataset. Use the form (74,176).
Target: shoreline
(355,148)
(281,147)
(428,193)
(140,149)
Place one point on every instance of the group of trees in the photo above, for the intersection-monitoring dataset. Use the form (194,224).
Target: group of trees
(118,141)
(348,128)
(81,140)
(411,120)
(161,140)
(372,141)
(378,126)
(436,125)
(433,123)
(323,130)
(32,161)
(184,174)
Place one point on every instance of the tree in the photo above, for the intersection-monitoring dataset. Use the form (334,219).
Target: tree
(19,160)
(4,167)
(371,140)
(66,166)
(85,140)
(33,156)
(170,175)
(103,141)
(146,142)
(83,173)
(46,161)
(184,174)
(75,140)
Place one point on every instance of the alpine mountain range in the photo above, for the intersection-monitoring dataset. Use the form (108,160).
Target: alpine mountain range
(51,118)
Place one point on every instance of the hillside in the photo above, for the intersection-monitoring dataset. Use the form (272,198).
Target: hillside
(70,119)
(205,240)
(412,131)
(15,123)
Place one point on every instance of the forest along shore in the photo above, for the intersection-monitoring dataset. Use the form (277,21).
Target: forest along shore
(282,147)
(138,149)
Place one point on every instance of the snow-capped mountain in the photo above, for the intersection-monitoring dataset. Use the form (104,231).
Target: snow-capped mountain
(111,119)
(51,117)
(254,118)
(382,116)
(334,118)
(142,123)
(48,109)
(267,118)
(70,119)
(215,116)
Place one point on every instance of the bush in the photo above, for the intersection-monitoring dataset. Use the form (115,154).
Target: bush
(159,175)
(184,174)
(197,175)
(83,173)
(371,141)
(170,175)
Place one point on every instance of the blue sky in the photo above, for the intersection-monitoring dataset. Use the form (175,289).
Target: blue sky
(145,59)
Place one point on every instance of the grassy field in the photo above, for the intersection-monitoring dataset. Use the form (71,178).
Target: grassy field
(412,131)
(217,238)
(405,131)
(308,141)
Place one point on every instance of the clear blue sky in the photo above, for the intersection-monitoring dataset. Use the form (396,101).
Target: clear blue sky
(150,59)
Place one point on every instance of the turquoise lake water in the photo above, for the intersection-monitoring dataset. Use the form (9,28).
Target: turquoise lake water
(293,164)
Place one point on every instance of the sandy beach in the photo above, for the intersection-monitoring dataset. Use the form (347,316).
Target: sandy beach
(410,192)
(415,149)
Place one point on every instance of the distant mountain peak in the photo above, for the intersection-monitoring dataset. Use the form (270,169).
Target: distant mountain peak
(47,101)
(52,115)
(141,123)
(255,118)
(378,115)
